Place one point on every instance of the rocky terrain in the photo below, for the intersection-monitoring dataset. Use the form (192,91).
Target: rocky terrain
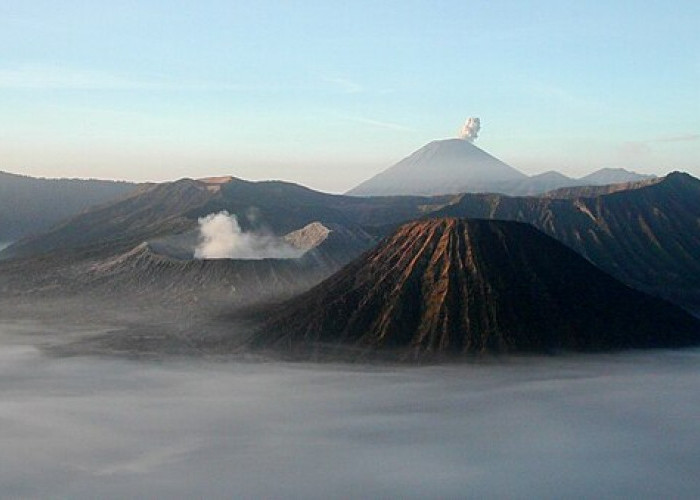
(174,208)
(455,286)
(160,300)
(165,270)
(646,234)
(590,191)
(134,257)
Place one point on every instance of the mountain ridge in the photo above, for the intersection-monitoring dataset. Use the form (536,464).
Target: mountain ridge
(452,166)
(645,234)
(30,205)
(647,237)
(471,287)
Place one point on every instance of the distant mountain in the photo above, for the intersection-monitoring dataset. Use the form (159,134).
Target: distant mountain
(441,167)
(547,183)
(474,286)
(173,208)
(458,166)
(612,176)
(554,181)
(31,205)
(644,234)
(534,185)
(153,211)
(647,237)
(591,191)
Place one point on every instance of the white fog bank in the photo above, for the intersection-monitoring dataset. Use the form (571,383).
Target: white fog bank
(609,426)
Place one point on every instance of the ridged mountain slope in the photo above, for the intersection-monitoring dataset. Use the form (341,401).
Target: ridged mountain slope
(154,211)
(142,271)
(473,286)
(647,237)
(173,208)
(598,190)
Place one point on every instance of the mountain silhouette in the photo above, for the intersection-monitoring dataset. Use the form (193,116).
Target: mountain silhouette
(440,167)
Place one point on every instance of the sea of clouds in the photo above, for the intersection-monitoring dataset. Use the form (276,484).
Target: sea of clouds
(604,426)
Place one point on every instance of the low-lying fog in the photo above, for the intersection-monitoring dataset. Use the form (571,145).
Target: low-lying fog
(621,425)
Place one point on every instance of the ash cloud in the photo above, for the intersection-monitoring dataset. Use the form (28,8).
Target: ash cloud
(221,237)
(470,129)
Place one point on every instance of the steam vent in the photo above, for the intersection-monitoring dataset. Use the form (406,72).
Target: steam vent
(456,286)
(470,129)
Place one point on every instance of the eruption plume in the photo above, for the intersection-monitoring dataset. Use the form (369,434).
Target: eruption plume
(470,129)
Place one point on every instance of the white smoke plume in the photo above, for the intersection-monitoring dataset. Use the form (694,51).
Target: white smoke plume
(470,129)
(221,237)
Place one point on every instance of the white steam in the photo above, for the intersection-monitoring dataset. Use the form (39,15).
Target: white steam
(221,237)
(470,129)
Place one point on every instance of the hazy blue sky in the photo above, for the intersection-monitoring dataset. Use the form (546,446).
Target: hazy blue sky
(328,93)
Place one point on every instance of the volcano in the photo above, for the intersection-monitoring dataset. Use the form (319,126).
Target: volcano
(441,167)
(460,286)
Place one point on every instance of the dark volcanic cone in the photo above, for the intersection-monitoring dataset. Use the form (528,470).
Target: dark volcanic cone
(475,286)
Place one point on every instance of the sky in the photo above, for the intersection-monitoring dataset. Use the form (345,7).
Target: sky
(329,93)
